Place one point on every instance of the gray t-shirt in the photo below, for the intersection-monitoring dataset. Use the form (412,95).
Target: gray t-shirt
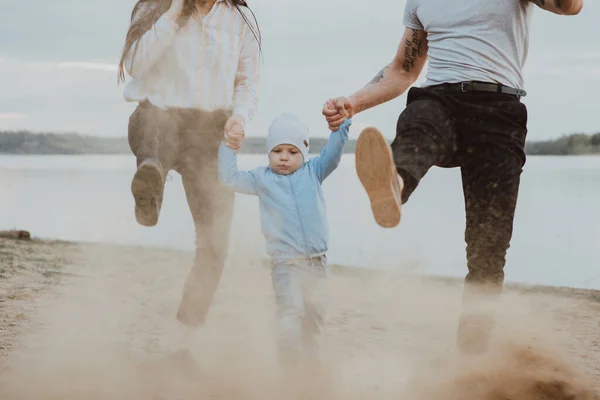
(479,40)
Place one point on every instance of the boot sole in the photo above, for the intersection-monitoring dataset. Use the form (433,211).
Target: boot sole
(375,170)
(147,190)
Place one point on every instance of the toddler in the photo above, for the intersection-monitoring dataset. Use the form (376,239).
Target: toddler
(294,223)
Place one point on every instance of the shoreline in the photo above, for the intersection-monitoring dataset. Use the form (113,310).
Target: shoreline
(312,152)
(29,143)
(336,269)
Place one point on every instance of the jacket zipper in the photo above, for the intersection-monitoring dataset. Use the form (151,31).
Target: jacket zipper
(299,218)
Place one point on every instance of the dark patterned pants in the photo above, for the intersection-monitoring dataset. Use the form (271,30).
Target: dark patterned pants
(484,135)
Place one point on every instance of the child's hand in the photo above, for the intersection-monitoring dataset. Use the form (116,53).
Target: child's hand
(336,111)
(234,141)
(234,132)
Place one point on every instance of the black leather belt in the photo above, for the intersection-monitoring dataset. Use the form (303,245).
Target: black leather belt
(479,87)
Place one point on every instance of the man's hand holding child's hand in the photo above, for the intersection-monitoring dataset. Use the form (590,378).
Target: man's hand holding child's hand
(336,111)
(234,132)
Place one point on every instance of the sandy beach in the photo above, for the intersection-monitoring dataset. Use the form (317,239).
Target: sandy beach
(97,322)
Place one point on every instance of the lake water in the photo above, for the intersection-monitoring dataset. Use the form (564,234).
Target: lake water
(556,239)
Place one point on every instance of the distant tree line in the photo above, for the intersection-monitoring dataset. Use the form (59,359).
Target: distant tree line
(25,142)
(574,144)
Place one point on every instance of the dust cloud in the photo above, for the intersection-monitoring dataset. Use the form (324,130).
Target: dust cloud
(109,332)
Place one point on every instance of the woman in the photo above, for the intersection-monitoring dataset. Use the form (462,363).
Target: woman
(195,68)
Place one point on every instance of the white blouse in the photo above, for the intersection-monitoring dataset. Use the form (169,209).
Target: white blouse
(211,62)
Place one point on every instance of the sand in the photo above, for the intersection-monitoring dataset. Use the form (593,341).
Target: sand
(86,321)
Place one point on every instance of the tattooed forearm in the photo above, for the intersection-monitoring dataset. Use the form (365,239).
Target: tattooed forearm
(379,75)
(413,49)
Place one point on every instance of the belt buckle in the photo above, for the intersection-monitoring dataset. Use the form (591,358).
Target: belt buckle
(463,85)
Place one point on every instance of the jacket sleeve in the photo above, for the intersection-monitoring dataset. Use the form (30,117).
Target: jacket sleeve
(146,51)
(247,75)
(238,181)
(330,156)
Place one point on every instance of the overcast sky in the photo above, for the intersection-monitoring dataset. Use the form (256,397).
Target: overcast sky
(58,64)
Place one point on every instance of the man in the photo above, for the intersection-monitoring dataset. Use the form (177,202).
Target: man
(468,114)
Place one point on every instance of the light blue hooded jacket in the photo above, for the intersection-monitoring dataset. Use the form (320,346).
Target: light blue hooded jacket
(292,207)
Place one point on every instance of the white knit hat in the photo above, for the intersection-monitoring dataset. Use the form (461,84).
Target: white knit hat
(289,129)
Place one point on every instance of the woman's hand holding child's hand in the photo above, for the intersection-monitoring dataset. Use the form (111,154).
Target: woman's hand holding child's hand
(234,132)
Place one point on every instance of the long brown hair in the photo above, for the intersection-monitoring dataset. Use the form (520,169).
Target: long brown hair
(152,10)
